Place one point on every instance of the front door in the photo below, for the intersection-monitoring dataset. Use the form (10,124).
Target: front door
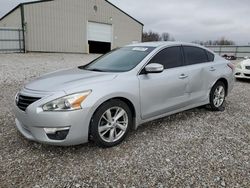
(164,92)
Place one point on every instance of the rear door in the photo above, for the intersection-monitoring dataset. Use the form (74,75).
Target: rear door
(197,62)
(167,91)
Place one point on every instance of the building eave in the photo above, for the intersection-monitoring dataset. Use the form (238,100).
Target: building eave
(19,5)
(124,12)
(34,2)
(7,14)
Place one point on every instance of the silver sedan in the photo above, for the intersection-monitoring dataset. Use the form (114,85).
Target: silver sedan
(121,90)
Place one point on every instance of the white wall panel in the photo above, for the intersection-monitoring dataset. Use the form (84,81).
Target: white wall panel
(12,20)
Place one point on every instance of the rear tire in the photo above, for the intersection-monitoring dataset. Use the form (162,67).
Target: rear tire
(217,96)
(111,123)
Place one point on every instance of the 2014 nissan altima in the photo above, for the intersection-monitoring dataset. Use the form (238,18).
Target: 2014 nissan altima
(121,90)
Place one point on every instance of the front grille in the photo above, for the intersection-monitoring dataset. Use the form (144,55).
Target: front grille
(248,67)
(248,75)
(24,101)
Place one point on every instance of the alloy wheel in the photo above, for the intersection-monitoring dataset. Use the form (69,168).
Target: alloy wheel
(113,124)
(219,96)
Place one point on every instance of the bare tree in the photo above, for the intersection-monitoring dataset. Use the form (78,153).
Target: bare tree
(151,36)
(222,41)
(165,36)
(154,36)
(171,39)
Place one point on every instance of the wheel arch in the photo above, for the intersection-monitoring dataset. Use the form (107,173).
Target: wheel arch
(130,104)
(225,82)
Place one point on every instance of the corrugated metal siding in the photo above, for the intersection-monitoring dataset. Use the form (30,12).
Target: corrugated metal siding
(61,25)
(12,20)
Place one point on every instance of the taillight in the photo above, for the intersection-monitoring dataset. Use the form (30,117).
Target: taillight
(231,66)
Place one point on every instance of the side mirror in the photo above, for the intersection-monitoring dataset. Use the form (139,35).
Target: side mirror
(154,68)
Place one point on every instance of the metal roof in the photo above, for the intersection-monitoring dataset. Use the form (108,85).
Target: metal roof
(43,1)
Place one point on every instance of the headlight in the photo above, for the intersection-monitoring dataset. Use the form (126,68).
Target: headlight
(239,66)
(67,103)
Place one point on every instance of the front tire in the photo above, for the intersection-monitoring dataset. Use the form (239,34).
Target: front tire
(110,123)
(217,96)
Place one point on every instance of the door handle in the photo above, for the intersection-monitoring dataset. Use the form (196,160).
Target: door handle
(212,69)
(183,76)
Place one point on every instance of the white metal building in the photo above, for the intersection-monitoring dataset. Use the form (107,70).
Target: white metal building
(76,26)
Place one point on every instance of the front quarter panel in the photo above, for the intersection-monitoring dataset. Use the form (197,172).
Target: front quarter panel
(124,85)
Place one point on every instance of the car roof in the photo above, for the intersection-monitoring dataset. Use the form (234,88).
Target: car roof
(162,44)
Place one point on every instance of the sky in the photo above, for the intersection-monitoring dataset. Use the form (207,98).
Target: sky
(185,20)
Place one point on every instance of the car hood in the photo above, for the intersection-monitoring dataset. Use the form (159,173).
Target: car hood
(66,79)
(245,62)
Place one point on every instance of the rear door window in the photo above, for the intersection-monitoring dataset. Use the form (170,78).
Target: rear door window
(195,55)
(210,56)
(170,57)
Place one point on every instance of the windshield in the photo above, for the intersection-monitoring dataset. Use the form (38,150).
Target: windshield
(120,60)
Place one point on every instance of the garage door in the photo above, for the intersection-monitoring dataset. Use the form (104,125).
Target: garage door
(99,32)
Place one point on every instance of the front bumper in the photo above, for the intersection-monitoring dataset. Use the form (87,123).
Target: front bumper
(31,124)
(242,73)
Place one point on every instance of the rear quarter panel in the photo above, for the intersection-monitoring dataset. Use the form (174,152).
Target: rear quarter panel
(222,71)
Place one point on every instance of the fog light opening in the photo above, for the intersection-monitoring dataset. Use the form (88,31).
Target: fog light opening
(57,133)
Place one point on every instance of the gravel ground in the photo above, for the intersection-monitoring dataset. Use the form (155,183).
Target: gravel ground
(196,148)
